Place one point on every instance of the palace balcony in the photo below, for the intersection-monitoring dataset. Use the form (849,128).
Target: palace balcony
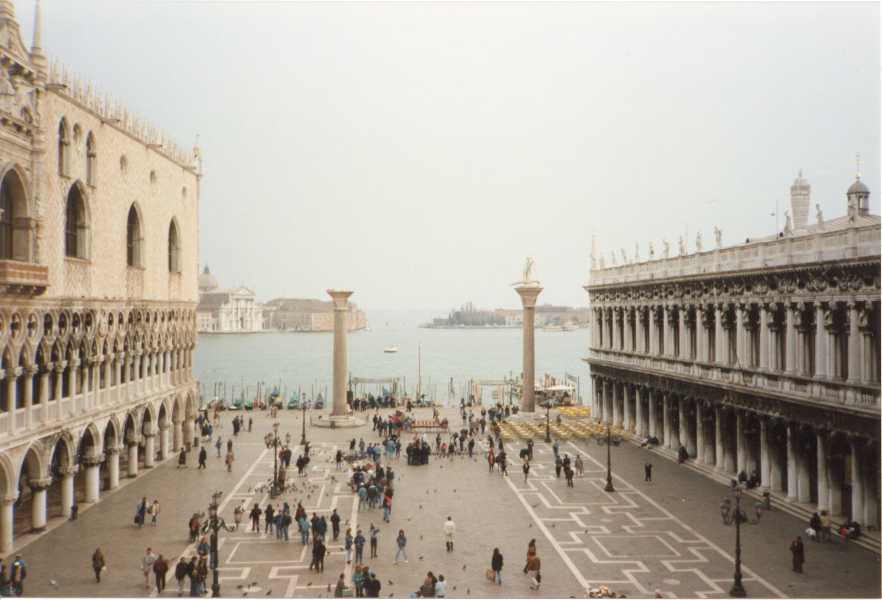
(22,278)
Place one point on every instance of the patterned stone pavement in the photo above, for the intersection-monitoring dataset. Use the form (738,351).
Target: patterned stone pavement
(663,536)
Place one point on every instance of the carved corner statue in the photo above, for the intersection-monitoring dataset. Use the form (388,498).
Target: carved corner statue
(820,215)
(718,236)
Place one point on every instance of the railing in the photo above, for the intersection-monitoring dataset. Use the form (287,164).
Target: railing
(823,246)
(862,397)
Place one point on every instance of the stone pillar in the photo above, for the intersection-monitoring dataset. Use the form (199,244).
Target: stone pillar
(528,294)
(93,477)
(617,392)
(339,407)
(740,443)
(59,380)
(854,343)
(792,468)
(112,468)
(834,485)
(608,400)
(652,409)
(666,331)
(740,335)
(67,490)
(765,470)
(72,365)
(684,334)
(133,459)
(149,449)
(178,438)
(790,343)
(7,505)
(117,368)
(719,346)
(803,480)
(653,332)
(719,463)
(683,426)
(764,338)
(164,441)
(44,395)
(11,395)
(857,482)
(629,337)
(38,503)
(700,450)
(666,420)
(629,413)
(820,342)
(638,408)
(641,340)
(29,396)
(823,487)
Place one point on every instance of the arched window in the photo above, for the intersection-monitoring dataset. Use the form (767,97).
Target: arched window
(63,145)
(13,224)
(174,248)
(75,224)
(91,159)
(133,238)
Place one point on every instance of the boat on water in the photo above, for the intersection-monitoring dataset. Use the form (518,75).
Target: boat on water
(552,328)
(390,349)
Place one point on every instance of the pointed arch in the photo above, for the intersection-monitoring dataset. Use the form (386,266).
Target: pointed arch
(134,237)
(63,147)
(174,246)
(15,242)
(76,222)
(91,159)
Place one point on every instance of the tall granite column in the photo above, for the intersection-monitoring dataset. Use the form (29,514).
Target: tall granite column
(341,360)
(528,293)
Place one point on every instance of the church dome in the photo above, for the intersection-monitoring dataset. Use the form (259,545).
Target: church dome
(207,282)
(858,187)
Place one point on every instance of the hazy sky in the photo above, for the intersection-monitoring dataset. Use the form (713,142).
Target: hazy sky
(418,152)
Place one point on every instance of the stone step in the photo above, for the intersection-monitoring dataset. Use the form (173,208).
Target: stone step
(869,540)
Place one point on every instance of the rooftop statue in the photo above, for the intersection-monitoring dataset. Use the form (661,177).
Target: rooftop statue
(624,257)
(636,252)
(718,236)
(698,241)
(651,251)
(666,249)
(820,215)
(682,246)
(788,223)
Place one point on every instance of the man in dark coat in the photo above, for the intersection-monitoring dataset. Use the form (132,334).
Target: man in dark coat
(798,552)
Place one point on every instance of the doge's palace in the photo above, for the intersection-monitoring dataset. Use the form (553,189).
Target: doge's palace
(759,358)
(98,289)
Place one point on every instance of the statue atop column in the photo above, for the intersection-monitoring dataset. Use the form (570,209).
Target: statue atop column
(528,279)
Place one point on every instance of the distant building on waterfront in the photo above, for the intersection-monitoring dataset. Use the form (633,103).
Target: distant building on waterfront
(547,315)
(231,310)
(761,357)
(305,314)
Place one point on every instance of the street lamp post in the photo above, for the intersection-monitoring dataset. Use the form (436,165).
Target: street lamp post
(609,484)
(215,523)
(274,444)
(547,422)
(303,425)
(737,590)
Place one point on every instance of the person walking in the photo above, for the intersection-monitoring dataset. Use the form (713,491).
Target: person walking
(141,512)
(182,459)
(558,465)
(203,456)
(491,457)
(531,552)
(798,551)
(229,461)
(218,445)
(374,533)
(496,566)
(526,469)
(534,566)
(160,568)
(18,572)
(255,518)
(98,564)
(237,515)
(647,472)
(181,572)
(401,544)
(347,545)
(580,466)
(359,547)
(568,473)
(320,551)
(154,512)
(269,516)
(147,566)
(449,531)
(335,524)
(387,505)
(441,587)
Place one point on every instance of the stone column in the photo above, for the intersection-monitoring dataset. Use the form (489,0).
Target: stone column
(719,462)
(43,391)
(823,488)
(764,338)
(178,438)
(617,392)
(528,294)
(857,482)
(652,409)
(666,420)
(59,380)
(629,337)
(740,330)
(93,477)
(340,408)
(638,408)
(682,425)
(700,335)
(653,332)
(7,504)
(719,346)
(117,369)
(11,395)
(38,503)
(163,441)
(641,340)
(112,468)
(149,449)
(666,332)
(791,313)
(792,469)
(765,470)
(740,443)
(133,458)
(67,490)
(700,450)
(29,396)
(820,342)
(854,344)
(608,393)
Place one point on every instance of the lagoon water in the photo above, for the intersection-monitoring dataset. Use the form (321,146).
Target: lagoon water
(303,361)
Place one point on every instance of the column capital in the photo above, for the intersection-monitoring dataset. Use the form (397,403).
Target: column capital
(112,450)
(529,294)
(340,298)
(8,500)
(93,460)
(71,470)
(39,485)
(60,366)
